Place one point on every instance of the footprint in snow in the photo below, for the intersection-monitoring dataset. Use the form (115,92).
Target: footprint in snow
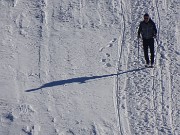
(108,64)
(107,56)
(103,60)
(111,43)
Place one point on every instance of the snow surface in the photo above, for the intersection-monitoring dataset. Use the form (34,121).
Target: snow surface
(70,67)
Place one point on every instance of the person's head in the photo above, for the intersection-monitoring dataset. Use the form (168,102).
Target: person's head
(146,17)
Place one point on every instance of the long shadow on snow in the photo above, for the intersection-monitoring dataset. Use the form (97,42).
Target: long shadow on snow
(79,80)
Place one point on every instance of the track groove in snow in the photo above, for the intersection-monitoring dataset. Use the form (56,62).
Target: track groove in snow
(158,75)
(122,65)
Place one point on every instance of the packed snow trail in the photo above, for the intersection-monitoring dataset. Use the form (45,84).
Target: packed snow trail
(139,97)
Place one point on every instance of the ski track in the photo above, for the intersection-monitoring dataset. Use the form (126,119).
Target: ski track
(122,64)
(155,123)
(123,90)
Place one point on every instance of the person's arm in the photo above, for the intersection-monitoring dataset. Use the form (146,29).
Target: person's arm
(139,30)
(155,30)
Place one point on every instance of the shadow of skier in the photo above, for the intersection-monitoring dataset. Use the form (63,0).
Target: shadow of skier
(79,80)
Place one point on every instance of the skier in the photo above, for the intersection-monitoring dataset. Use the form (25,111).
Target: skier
(148,31)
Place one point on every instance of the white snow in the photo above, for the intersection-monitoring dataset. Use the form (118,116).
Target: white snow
(70,67)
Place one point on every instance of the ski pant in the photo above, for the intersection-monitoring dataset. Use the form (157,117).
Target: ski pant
(148,44)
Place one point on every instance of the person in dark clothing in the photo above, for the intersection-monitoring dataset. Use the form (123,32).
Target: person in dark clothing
(147,29)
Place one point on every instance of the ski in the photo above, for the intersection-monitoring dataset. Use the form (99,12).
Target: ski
(149,66)
(151,71)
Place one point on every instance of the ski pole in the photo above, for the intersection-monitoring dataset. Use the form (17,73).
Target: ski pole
(156,50)
(138,52)
(157,41)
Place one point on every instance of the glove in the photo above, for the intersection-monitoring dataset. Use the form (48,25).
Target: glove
(155,36)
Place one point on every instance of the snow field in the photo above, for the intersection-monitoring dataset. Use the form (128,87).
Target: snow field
(71,68)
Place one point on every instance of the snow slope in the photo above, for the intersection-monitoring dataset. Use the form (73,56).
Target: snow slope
(70,67)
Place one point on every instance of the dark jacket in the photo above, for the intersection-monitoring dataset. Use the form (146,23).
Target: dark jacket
(147,30)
